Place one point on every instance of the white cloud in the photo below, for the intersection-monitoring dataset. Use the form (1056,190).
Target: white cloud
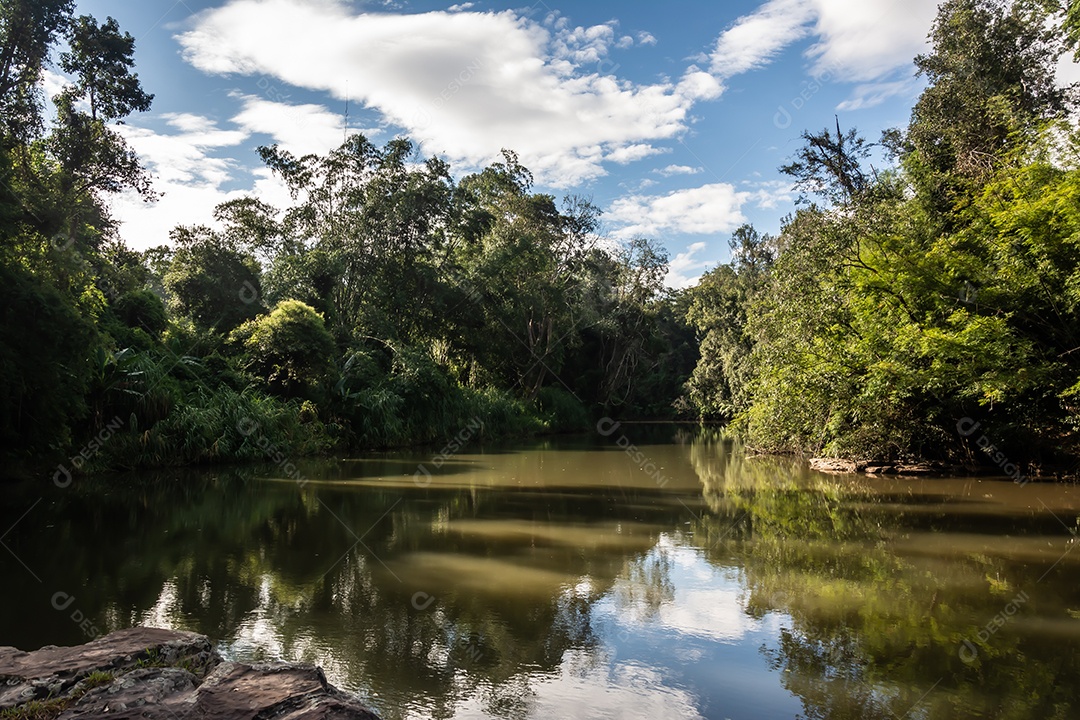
(1068,70)
(677,170)
(700,85)
(769,194)
(708,209)
(459,7)
(300,129)
(865,41)
(144,225)
(631,153)
(53,83)
(186,173)
(755,39)
(645,38)
(854,40)
(465,84)
(868,95)
(184,157)
(686,267)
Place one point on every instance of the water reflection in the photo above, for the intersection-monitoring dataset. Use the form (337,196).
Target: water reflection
(559,579)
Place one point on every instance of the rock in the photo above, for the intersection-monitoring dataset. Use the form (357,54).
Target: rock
(143,693)
(166,675)
(55,671)
(833,465)
(922,469)
(841,466)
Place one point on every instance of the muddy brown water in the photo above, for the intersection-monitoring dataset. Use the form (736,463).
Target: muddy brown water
(572,578)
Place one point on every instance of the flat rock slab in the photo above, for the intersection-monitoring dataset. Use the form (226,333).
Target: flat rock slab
(166,675)
(53,672)
(834,465)
(840,466)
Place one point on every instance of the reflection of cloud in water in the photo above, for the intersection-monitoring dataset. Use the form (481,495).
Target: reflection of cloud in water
(677,589)
(715,614)
(578,689)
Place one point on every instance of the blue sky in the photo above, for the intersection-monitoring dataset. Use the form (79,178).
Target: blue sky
(672,116)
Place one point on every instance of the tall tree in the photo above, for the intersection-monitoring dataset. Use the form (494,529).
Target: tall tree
(28,29)
(831,165)
(94,158)
(991,79)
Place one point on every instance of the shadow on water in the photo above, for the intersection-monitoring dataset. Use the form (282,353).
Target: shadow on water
(560,578)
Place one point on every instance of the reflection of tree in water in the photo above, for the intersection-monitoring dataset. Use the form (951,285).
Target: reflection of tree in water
(267,569)
(869,633)
(645,584)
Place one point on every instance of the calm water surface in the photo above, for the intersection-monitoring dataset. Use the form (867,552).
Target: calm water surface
(561,579)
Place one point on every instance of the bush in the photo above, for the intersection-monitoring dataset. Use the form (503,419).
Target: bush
(289,351)
(560,411)
(142,309)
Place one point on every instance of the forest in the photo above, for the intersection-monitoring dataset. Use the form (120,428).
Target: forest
(928,283)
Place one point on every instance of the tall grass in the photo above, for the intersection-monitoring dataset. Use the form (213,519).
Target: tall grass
(177,411)
(217,426)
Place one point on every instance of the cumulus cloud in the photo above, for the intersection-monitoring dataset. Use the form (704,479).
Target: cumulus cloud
(464,84)
(755,39)
(182,158)
(868,95)
(53,83)
(769,194)
(686,267)
(300,129)
(866,41)
(677,170)
(708,209)
(853,40)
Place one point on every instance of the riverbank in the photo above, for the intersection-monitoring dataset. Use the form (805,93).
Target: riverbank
(1021,476)
(143,672)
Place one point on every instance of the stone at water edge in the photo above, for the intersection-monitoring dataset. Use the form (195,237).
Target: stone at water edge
(168,675)
(834,465)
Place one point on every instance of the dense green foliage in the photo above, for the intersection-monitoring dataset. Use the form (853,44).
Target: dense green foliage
(389,304)
(913,299)
(393,303)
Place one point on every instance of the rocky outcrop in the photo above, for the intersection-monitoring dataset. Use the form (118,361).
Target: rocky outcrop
(840,466)
(163,675)
(834,465)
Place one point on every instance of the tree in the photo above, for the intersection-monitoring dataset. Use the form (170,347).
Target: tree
(212,282)
(28,29)
(289,350)
(93,157)
(101,58)
(46,367)
(363,238)
(992,83)
(721,305)
(830,166)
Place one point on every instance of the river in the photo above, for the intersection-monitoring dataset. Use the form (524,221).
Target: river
(649,572)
